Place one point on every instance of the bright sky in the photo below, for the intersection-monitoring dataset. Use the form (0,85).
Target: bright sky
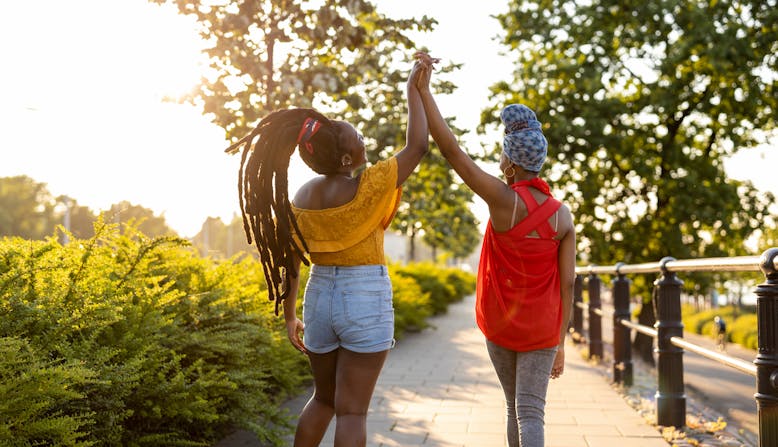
(82,110)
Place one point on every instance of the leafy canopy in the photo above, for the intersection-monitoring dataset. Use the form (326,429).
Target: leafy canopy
(642,103)
(342,57)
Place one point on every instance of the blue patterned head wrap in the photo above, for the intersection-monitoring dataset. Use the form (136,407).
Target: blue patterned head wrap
(524,143)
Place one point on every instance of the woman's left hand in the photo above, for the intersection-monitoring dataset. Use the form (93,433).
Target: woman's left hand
(559,363)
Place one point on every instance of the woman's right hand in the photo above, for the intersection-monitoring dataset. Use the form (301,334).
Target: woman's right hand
(294,330)
(425,65)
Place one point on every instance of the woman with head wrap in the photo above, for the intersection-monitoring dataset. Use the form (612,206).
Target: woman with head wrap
(527,267)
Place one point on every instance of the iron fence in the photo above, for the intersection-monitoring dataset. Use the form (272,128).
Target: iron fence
(668,331)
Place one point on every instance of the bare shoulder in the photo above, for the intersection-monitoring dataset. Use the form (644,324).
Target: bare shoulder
(308,195)
(566,224)
(325,192)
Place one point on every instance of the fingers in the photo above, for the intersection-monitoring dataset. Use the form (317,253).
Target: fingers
(425,58)
(293,332)
(559,364)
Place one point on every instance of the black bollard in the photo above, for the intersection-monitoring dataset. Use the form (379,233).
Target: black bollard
(595,320)
(577,311)
(767,358)
(670,396)
(622,345)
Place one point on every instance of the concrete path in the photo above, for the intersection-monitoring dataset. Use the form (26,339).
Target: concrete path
(438,388)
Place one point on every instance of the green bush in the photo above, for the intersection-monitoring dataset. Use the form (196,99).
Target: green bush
(741,330)
(445,285)
(172,349)
(411,306)
(744,331)
(131,341)
(40,398)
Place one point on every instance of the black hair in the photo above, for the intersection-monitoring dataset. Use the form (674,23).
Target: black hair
(263,188)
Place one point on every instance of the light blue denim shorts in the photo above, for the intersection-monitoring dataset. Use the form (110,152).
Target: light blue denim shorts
(348,307)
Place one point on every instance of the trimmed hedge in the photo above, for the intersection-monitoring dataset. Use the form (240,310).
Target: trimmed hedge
(742,330)
(131,341)
(136,342)
(445,285)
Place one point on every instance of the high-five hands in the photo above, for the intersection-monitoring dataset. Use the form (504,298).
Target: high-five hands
(423,69)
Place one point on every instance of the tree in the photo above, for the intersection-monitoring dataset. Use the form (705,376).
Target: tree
(342,57)
(439,207)
(769,235)
(220,240)
(125,213)
(77,219)
(26,208)
(642,102)
(82,221)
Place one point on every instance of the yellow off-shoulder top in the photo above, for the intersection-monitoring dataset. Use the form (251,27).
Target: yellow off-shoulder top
(353,233)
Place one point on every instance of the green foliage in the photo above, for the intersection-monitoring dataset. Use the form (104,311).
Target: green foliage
(173,349)
(742,327)
(40,398)
(123,339)
(438,204)
(744,331)
(444,285)
(412,307)
(344,58)
(218,240)
(125,213)
(642,102)
(26,208)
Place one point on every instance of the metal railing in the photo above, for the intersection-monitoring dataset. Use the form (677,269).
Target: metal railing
(668,331)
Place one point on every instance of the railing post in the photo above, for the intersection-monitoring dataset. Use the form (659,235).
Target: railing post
(595,320)
(670,397)
(767,358)
(577,311)
(622,346)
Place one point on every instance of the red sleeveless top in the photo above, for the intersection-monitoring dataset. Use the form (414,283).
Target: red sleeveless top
(518,303)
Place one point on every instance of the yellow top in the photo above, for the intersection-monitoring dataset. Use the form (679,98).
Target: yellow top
(353,233)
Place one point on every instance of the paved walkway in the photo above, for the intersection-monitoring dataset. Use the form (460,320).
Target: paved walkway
(438,388)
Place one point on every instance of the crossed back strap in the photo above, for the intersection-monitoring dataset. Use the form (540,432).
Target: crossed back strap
(537,215)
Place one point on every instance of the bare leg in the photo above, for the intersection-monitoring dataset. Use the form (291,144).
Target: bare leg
(318,412)
(356,378)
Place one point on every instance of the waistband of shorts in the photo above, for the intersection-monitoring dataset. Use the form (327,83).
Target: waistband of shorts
(350,270)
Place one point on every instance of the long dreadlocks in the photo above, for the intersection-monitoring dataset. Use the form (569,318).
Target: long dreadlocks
(263,186)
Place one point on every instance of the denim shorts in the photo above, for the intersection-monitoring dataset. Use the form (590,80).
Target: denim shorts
(348,307)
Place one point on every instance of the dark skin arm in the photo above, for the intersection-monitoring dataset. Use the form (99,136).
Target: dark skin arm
(499,196)
(496,193)
(417,145)
(417,135)
(294,326)
(566,256)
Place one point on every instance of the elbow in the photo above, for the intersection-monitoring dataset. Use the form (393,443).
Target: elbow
(422,147)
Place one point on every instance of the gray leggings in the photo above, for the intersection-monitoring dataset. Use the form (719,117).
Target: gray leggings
(524,378)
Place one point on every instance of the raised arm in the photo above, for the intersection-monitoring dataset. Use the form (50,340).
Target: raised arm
(417,135)
(490,188)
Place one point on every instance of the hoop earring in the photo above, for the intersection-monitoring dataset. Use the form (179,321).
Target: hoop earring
(512,174)
(346,160)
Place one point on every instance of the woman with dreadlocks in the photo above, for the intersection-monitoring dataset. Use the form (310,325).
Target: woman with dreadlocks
(338,219)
